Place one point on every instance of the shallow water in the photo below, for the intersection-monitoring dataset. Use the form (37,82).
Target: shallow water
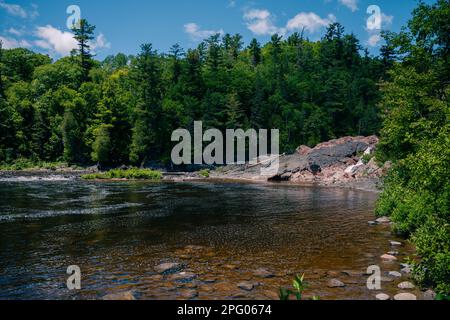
(117,232)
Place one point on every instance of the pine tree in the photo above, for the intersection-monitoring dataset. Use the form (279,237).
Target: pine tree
(84,34)
(255,52)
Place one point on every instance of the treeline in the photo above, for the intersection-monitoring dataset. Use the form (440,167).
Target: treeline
(123,110)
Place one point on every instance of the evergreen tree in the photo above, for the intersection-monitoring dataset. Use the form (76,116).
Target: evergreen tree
(83,33)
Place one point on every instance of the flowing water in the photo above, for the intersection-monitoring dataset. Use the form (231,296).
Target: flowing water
(117,232)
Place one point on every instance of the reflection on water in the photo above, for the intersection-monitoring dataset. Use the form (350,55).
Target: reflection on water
(118,232)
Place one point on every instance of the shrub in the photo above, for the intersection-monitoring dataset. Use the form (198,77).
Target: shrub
(131,174)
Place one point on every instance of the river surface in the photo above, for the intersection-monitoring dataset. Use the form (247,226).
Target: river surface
(117,232)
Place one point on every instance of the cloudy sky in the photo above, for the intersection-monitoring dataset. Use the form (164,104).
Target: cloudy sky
(122,26)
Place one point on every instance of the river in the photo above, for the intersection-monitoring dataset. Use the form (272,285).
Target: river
(117,232)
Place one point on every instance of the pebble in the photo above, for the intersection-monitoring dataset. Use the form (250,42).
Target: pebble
(335,283)
(393,253)
(246,285)
(395,243)
(382,297)
(406,285)
(395,274)
(388,257)
(405,296)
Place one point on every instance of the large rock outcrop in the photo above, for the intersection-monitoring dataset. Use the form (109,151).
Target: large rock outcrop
(344,161)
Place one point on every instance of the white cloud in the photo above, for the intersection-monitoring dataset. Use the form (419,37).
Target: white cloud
(310,21)
(11,43)
(374,40)
(261,22)
(100,43)
(13,9)
(53,39)
(14,32)
(351,4)
(231,4)
(197,34)
(63,42)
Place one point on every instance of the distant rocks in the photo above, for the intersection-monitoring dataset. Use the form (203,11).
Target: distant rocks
(405,296)
(169,267)
(335,283)
(406,286)
(122,296)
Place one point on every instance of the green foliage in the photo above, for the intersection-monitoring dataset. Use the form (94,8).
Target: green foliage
(300,286)
(204,173)
(129,174)
(416,136)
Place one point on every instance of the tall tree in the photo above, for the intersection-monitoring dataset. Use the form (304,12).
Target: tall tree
(84,33)
(145,143)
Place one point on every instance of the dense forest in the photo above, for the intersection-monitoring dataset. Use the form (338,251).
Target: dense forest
(124,109)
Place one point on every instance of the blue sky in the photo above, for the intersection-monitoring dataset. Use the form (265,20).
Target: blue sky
(123,25)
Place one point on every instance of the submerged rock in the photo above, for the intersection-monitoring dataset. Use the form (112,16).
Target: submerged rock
(182,277)
(335,283)
(246,285)
(188,294)
(122,296)
(263,273)
(169,267)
